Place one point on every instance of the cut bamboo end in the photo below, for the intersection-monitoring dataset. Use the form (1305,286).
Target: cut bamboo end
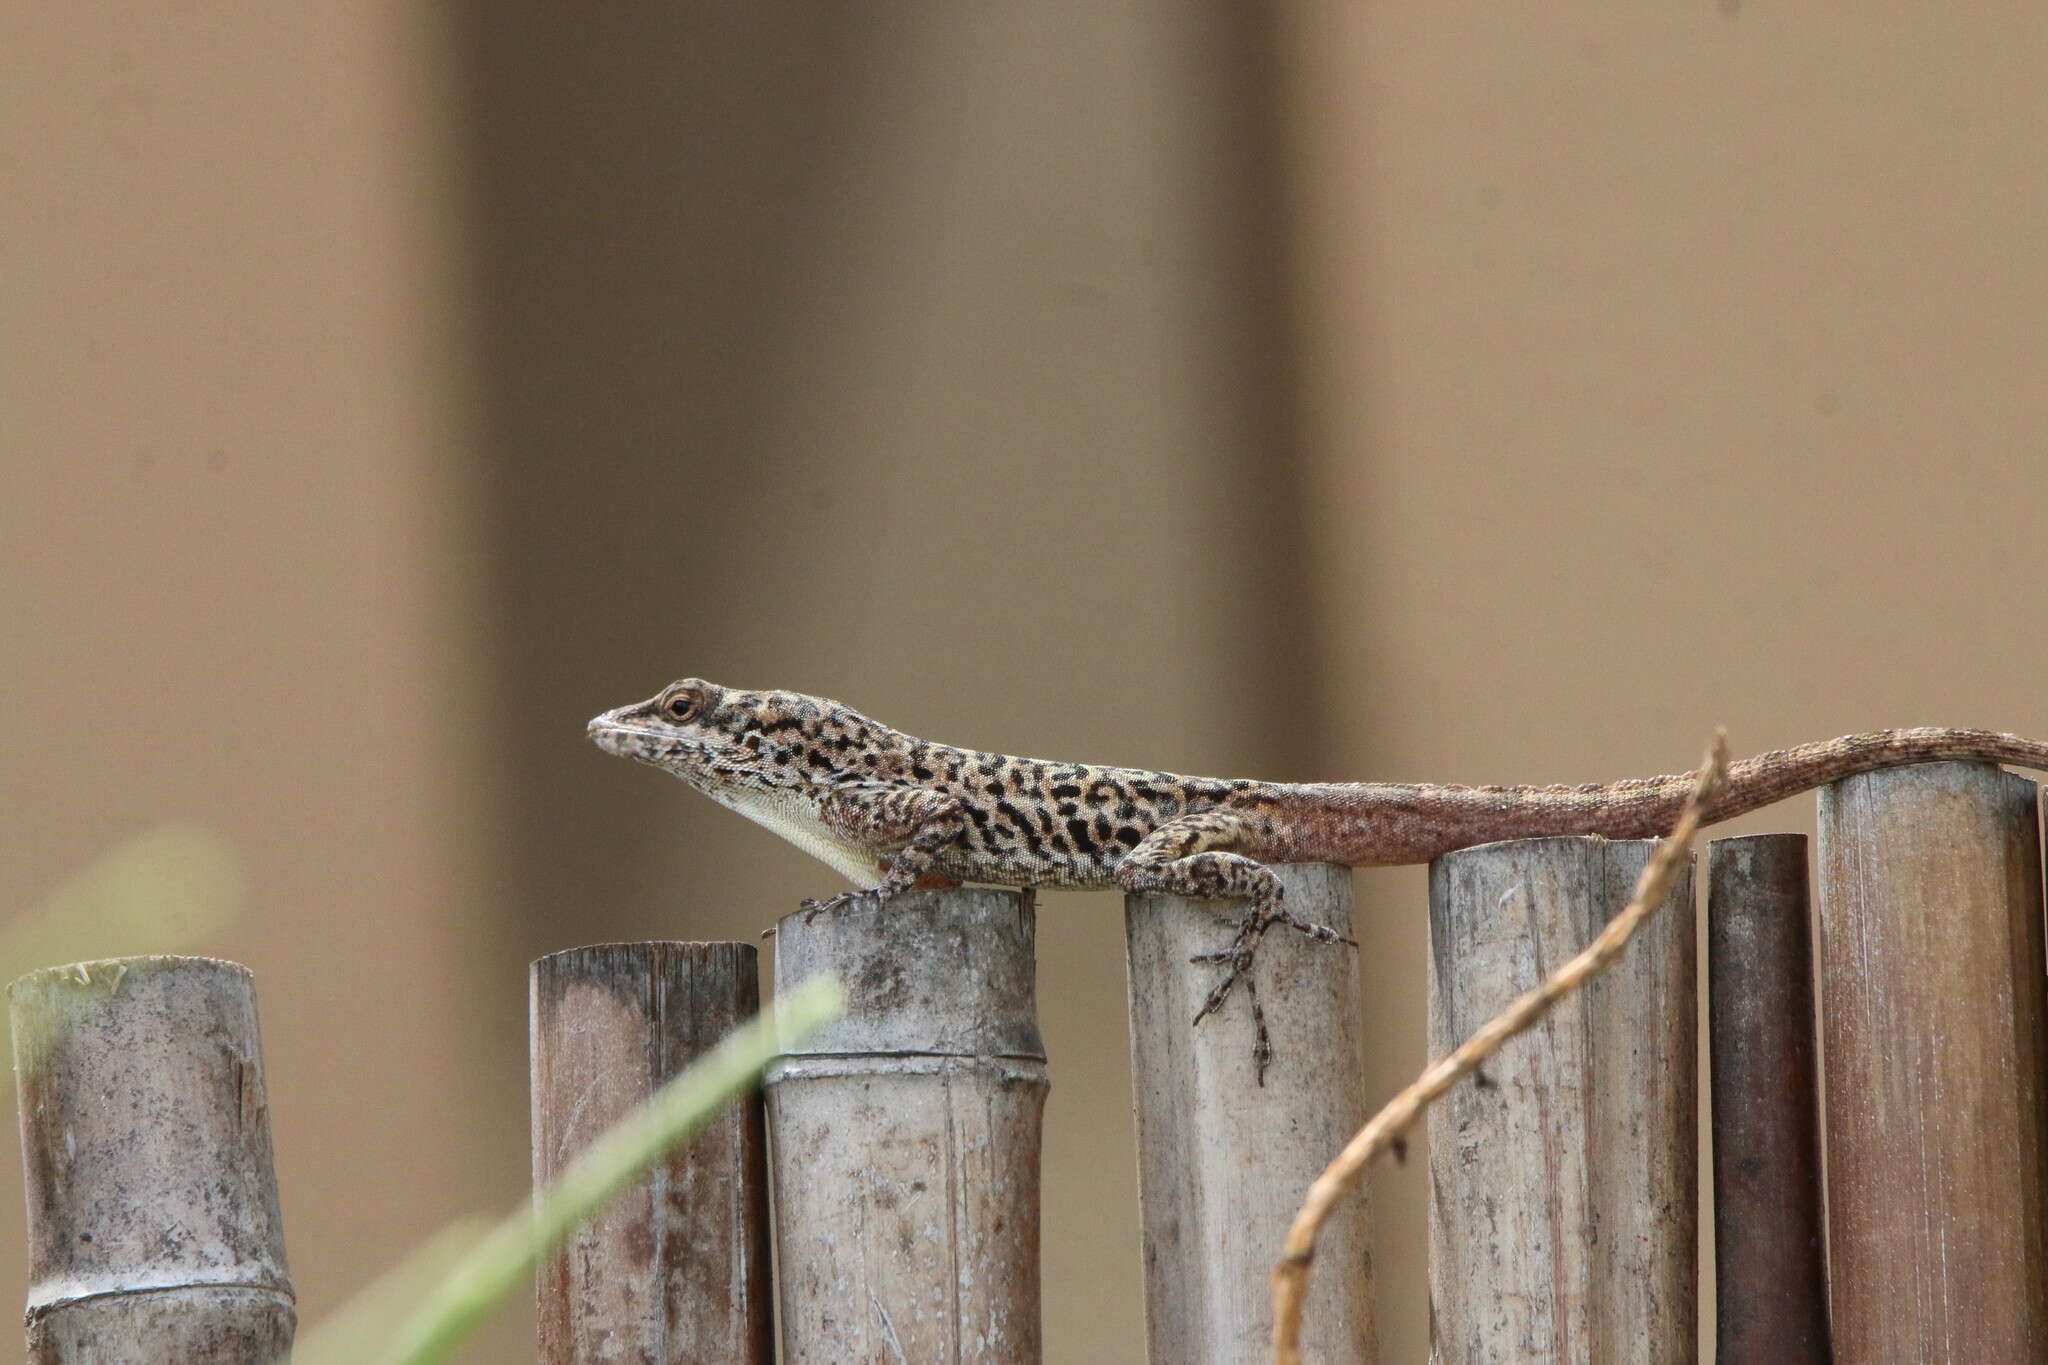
(1563,1187)
(1222,1160)
(153,1224)
(906,1135)
(676,1268)
(1931,982)
(1771,1284)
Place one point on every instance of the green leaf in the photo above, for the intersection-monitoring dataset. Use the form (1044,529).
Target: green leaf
(159,891)
(361,1327)
(502,1259)
(152,895)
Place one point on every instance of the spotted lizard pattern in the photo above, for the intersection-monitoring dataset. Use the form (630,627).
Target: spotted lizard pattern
(891,811)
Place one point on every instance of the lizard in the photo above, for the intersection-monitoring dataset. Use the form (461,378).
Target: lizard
(891,811)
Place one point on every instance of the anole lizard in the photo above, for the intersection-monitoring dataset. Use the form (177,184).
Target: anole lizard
(889,810)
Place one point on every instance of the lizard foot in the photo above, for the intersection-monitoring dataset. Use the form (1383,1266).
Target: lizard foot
(1238,957)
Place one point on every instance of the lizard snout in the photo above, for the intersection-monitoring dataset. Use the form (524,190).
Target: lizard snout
(608,734)
(636,732)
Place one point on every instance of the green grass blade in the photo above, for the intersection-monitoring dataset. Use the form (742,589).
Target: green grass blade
(152,895)
(503,1259)
(361,1327)
(158,892)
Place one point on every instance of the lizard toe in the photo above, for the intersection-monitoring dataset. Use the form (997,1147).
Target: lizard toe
(813,906)
(1219,993)
(1321,933)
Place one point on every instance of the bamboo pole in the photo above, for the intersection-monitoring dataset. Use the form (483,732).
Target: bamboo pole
(1562,1220)
(675,1269)
(905,1136)
(1770,1283)
(153,1225)
(1931,953)
(1222,1160)
(1387,1128)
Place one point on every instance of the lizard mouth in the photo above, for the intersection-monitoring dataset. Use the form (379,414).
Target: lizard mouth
(627,740)
(692,760)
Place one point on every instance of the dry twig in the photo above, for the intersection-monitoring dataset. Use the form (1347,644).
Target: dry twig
(1290,1276)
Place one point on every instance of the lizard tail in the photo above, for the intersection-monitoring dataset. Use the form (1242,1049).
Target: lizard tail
(1769,777)
(1378,823)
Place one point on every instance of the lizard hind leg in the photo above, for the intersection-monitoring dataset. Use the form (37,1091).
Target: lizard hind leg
(1190,857)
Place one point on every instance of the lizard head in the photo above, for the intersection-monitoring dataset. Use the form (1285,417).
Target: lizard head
(721,738)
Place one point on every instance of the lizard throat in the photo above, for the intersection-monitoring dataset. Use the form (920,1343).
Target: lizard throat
(794,816)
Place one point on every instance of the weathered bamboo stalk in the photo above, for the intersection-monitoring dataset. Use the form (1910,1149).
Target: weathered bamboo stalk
(153,1224)
(905,1136)
(1222,1160)
(1562,1208)
(1931,953)
(675,1269)
(1771,1285)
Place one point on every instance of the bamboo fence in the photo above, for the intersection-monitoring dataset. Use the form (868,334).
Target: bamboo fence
(902,1142)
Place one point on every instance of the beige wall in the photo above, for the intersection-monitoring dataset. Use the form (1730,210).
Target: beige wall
(238,564)
(1407,391)
(1663,368)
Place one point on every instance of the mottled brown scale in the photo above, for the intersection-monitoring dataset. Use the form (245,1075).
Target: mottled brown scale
(888,809)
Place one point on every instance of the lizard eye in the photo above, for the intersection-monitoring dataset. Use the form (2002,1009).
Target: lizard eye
(683,705)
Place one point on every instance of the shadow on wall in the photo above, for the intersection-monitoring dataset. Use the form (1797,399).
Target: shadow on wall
(660,194)
(642,190)
(934,357)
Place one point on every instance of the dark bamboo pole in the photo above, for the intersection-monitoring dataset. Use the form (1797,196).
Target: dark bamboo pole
(1931,987)
(905,1136)
(1222,1160)
(675,1269)
(1563,1191)
(1771,1284)
(153,1225)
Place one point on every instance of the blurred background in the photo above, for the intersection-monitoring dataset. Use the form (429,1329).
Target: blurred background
(1411,391)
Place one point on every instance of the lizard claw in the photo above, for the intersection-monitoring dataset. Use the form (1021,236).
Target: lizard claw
(1221,991)
(1238,958)
(1241,970)
(812,906)
(1250,929)
(1321,933)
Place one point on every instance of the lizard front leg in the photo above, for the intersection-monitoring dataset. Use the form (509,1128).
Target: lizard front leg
(909,825)
(1191,856)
